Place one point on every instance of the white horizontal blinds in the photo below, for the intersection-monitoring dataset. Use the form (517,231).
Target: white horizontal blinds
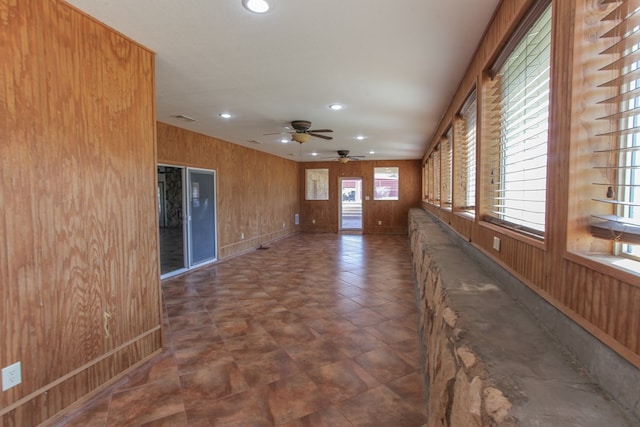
(436,175)
(465,145)
(446,146)
(517,161)
(621,164)
(431,179)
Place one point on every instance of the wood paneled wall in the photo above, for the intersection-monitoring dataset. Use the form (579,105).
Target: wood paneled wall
(392,213)
(257,193)
(79,279)
(603,300)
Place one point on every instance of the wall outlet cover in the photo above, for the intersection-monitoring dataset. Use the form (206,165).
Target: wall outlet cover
(11,376)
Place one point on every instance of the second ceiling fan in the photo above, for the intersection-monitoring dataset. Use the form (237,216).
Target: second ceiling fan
(302,131)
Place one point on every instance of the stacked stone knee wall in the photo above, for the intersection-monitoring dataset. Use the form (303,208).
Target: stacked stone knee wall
(486,361)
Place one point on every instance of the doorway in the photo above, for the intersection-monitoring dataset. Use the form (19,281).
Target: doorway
(186,218)
(351,204)
(201,217)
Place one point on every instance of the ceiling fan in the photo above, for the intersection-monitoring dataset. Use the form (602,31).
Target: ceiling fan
(301,131)
(344,157)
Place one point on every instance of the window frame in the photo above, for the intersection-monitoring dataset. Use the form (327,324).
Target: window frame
(526,216)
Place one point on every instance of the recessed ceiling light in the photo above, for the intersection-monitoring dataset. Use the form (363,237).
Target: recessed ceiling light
(360,137)
(256,6)
(284,140)
(225,115)
(372,152)
(314,154)
(335,107)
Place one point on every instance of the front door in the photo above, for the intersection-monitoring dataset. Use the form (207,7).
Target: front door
(351,204)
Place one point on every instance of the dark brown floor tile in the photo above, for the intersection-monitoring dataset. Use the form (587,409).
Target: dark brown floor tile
(290,398)
(193,306)
(278,320)
(259,308)
(238,328)
(291,301)
(380,407)
(238,410)
(92,414)
(251,345)
(315,353)
(363,317)
(193,358)
(213,303)
(342,380)
(145,404)
(160,367)
(173,420)
(384,364)
(334,325)
(345,305)
(227,314)
(268,367)
(410,388)
(391,331)
(206,334)
(369,300)
(356,342)
(292,334)
(394,310)
(329,417)
(312,311)
(220,378)
(191,320)
(409,351)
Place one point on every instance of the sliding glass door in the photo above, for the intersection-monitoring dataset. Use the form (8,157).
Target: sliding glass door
(201,216)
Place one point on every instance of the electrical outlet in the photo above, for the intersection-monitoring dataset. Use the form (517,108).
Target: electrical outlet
(496,244)
(313,221)
(242,236)
(284,224)
(379,222)
(11,376)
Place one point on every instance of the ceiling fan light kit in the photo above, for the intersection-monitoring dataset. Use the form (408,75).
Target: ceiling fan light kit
(300,137)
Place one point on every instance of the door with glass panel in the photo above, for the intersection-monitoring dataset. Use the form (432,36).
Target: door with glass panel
(201,218)
(351,204)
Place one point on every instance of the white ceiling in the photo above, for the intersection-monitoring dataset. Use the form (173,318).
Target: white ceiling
(394,65)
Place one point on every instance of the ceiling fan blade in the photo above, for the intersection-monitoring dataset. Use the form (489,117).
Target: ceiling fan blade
(320,136)
(319,130)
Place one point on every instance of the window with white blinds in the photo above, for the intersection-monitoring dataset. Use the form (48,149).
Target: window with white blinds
(516,161)
(465,146)
(446,166)
(431,180)
(620,165)
(436,175)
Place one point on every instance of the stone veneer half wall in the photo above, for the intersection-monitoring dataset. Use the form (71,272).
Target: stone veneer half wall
(487,361)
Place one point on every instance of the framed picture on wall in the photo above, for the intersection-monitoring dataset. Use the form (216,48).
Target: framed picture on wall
(317,184)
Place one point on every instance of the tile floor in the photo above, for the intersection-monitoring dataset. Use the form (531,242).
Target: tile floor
(317,330)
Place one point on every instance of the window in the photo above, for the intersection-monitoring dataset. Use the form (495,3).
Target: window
(619,166)
(446,160)
(431,179)
(385,183)
(465,145)
(516,158)
(436,175)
